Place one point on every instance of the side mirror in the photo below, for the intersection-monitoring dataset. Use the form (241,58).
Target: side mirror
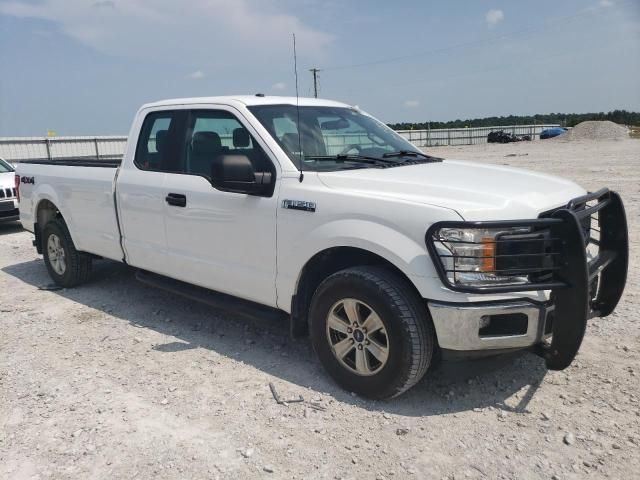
(235,173)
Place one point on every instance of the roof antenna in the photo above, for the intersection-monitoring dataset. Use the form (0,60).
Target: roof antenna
(295,69)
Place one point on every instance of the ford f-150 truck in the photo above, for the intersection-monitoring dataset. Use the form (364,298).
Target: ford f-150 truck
(387,257)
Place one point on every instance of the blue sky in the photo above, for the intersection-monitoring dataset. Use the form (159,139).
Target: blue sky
(85,66)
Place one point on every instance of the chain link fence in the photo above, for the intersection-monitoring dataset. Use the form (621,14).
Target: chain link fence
(17,149)
(467,136)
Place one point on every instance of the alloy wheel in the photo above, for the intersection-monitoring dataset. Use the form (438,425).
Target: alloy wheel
(357,336)
(57,257)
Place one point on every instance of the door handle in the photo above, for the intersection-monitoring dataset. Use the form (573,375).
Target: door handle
(176,199)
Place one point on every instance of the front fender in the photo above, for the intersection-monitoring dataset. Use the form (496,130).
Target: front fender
(407,254)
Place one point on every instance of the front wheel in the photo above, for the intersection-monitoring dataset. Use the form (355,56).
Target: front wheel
(67,266)
(371,331)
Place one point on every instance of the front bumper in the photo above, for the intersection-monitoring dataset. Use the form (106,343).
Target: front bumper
(491,325)
(9,211)
(578,288)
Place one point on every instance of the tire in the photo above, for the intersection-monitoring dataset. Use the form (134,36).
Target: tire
(406,332)
(75,267)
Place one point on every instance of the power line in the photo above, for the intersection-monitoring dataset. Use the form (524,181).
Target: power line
(431,79)
(495,38)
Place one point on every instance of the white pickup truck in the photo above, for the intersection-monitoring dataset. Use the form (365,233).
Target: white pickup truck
(312,209)
(8,202)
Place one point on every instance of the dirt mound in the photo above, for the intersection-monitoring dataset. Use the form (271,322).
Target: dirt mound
(596,130)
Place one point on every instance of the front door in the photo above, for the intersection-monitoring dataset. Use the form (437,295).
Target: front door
(220,240)
(140,190)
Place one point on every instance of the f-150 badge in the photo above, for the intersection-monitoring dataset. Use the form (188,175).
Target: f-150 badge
(299,205)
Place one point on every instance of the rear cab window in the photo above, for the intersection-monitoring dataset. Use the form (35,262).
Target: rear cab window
(158,146)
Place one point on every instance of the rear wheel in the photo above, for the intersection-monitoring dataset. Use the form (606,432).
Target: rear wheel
(67,267)
(371,331)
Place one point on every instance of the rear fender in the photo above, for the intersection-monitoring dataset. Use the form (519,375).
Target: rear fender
(47,193)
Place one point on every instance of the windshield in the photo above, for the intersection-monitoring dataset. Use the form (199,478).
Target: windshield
(332,137)
(5,167)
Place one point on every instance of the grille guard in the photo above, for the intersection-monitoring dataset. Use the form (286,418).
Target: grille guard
(571,279)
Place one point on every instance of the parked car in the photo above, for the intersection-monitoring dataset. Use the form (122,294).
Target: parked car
(314,211)
(500,136)
(552,132)
(8,201)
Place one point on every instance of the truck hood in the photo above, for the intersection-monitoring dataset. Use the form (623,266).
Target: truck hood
(475,191)
(7,179)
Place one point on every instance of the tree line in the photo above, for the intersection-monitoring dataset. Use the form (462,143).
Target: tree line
(564,119)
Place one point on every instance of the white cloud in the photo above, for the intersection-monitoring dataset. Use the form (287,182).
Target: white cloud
(412,103)
(104,3)
(204,32)
(493,17)
(279,86)
(602,4)
(197,75)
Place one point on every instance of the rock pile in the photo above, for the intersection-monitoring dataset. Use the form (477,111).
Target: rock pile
(595,130)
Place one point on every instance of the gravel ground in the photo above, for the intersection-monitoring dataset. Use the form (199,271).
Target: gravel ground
(118,380)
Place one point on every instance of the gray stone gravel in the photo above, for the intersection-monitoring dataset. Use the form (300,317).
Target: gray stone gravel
(81,398)
(594,130)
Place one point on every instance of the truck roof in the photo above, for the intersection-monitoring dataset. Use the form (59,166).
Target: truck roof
(249,100)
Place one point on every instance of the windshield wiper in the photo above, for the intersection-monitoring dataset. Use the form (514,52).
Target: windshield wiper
(379,162)
(411,153)
(342,157)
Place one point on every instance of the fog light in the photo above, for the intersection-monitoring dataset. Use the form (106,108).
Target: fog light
(504,324)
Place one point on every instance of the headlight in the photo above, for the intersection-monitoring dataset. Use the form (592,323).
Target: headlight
(482,257)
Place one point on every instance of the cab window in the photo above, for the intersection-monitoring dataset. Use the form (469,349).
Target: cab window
(158,143)
(212,134)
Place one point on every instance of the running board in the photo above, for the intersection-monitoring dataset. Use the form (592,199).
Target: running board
(220,301)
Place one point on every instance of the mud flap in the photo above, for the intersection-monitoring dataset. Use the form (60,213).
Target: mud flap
(572,304)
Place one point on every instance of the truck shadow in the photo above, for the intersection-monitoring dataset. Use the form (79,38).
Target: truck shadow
(451,387)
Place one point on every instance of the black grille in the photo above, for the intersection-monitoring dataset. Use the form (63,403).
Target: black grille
(587,209)
(535,255)
(539,258)
(7,192)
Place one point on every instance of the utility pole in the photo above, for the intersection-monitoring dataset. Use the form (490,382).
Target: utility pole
(315,71)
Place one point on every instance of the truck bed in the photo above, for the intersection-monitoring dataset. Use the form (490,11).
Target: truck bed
(78,162)
(84,196)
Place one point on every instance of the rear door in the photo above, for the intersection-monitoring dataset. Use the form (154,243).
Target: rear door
(220,240)
(141,192)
